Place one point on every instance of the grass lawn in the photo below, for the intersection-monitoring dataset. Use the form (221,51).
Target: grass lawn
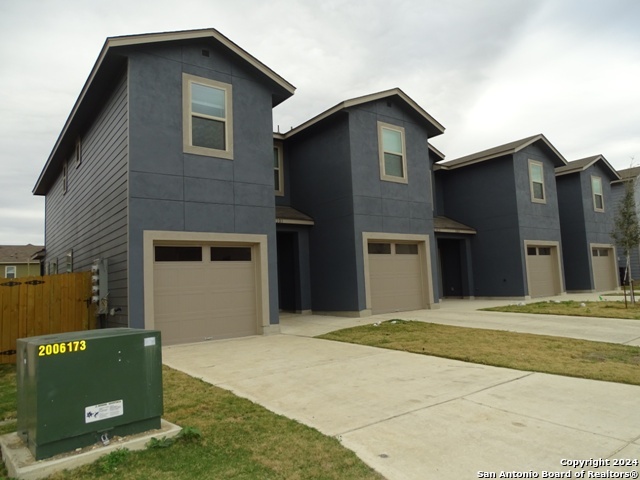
(520,351)
(605,309)
(228,437)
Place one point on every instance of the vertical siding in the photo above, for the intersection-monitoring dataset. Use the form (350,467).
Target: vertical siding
(91,217)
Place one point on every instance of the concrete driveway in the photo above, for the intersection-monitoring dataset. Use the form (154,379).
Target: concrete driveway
(412,416)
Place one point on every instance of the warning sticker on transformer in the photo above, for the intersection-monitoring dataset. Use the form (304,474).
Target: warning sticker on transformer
(95,413)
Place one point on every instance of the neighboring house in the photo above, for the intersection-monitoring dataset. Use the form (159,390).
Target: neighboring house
(586,220)
(617,190)
(361,175)
(505,208)
(19,260)
(165,169)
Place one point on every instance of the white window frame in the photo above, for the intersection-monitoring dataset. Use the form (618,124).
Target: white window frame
(383,174)
(78,152)
(68,257)
(277,146)
(10,268)
(595,179)
(531,182)
(187,115)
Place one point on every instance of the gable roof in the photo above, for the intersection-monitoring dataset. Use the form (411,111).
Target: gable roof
(433,126)
(628,174)
(18,253)
(448,225)
(506,149)
(103,71)
(584,163)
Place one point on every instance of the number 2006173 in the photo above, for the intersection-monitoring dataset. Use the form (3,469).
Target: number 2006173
(65,347)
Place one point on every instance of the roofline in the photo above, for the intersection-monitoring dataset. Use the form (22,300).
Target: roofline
(365,99)
(435,150)
(127,40)
(525,142)
(568,169)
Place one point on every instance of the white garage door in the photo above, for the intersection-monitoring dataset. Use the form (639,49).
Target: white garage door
(604,269)
(543,274)
(204,292)
(396,277)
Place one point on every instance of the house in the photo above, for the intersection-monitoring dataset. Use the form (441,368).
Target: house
(627,176)
(360,174)
(586,220)
(499,210)
(164,169)
(19,260)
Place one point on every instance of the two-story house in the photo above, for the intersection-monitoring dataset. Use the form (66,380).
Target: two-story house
(164,168)
(586,221)
(361,174)
(505,203)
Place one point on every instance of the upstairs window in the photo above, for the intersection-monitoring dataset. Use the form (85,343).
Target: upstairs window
(536,179)
(207,117)
(278,174)
(393,159)
(598,198)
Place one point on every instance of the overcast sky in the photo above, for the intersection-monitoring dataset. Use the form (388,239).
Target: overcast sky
(490,71)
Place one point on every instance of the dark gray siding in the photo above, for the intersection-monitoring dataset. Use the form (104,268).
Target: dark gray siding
(91,217)
(484,197)
(389,207)
(171,190)
(320,172)
(575,248)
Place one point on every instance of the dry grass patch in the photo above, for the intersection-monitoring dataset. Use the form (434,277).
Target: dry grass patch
(235,438)
(520,351)
(604,309)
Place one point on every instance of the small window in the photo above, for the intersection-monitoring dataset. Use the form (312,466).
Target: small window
(78,152)
(594,252)
(178,254)
(406,249)
(532,251)
(380,248)
(230,254)
(10,271)
(207,117)
(598,198)
(544,251)
(65,177)
(53,267)
(536,178)
(278,174)
(393,160)
(604,252)
(68,261)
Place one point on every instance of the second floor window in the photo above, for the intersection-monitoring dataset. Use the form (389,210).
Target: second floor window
(536,179)
(393,160)
(598,198)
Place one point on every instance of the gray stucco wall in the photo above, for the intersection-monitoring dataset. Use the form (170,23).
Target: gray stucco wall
(484,197)
(91,217)
(172,190)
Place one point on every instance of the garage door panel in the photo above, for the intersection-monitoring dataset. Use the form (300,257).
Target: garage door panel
(604,269)
(395,280)
(200,300)
(542,268)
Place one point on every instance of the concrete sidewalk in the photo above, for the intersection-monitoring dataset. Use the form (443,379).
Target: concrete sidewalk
(418,417)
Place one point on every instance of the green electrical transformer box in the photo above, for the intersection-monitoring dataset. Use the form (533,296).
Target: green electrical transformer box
(79,388)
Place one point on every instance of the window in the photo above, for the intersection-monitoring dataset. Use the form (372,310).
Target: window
(544,251)
(406,249)
(536,178)
(230,254)
(393,160)
(207,117)
(78,152)
(600,252)
(278,174)
(379,248)
(53,267)
(65,177)
(178,254)
(10,271)
(532,251)
(68,261)
(598,198)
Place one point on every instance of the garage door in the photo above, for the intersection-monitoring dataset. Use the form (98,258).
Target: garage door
(204,292)
(604,269)
(396,277)
(543,274)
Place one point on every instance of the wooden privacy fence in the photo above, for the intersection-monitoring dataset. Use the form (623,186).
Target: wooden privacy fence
(31,306)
